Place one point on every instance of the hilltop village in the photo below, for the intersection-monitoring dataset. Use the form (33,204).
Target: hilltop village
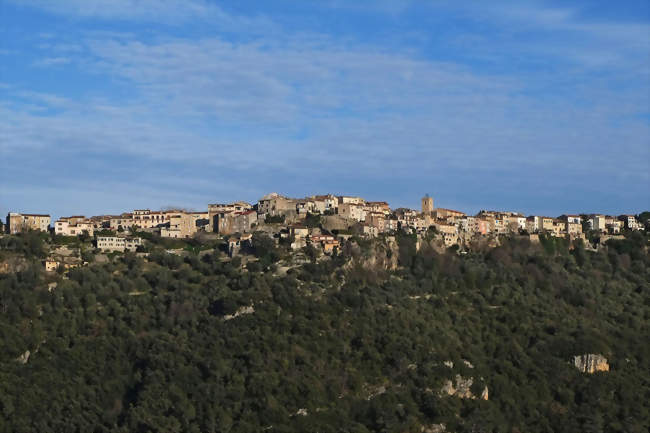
(324,222)
(338,313)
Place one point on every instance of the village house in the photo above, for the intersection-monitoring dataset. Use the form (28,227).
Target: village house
(74,226)
(546,224)
(515,222)
(500,225)
(229,222)
(235,243)
(377,219)
(532,224)
(613,225)
(329,246)
(118,243)
(146,219)
(630,222)
(321,238)
(101,221)
(377,207)
(449,214)
(448,232)
(303,207)
(369,231)
(123,221)
(572,228)
(221,208)
(184,224)
(559,228)
(574,219)
(597,222)
(52,264)
(392,224)
(352,211)
(18,222)
(345,199)
(298,231)
(274,204)
(325,203)
(473,225)
(299,234)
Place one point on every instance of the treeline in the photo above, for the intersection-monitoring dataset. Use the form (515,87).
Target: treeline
(331,346)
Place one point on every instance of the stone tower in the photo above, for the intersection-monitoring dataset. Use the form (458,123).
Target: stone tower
(427,205)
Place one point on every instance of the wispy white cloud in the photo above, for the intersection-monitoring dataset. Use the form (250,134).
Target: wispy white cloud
(52,61)
(163,11)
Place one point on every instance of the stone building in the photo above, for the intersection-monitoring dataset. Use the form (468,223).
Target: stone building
(17,222)
(115,243)
(220,208)
(274,204)
(427,205)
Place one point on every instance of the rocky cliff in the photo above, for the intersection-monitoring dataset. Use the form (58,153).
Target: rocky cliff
(590,363)
(461,388)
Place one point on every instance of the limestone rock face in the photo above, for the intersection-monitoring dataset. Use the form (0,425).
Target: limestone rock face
(240,312)
(462,388)
(434,428)
(590,363)
(24,357)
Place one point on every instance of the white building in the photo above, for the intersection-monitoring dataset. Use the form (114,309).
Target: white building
(115,243)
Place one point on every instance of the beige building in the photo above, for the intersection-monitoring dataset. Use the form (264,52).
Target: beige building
(559,228)
(236,243)
(220,208)
(227,223)
(325,203)
(184,224)
(123,221)
(448,232)
(377,206)
(146,219)
(546,224)
(573,228)
(630,222)
(597,222)
(613,225)
(449,213)
(17,222)
(298,231)
(532,224)
(575,219)
(392,224)
(352,211)
(345,199)
(115,243)
(52,264)
(74,226)
(377,219)
(369,231)
(275,204)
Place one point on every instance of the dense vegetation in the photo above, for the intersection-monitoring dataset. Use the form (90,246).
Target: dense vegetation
(332,346)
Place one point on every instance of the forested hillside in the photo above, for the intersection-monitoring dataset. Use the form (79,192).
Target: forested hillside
(199,344)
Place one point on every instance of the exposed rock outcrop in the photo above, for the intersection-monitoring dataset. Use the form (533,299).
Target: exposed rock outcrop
(243,310)
(462,388)
(22,359)
(590,363)
(434,428)
(374,256)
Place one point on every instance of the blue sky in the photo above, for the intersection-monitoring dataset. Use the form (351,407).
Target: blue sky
(537,106)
